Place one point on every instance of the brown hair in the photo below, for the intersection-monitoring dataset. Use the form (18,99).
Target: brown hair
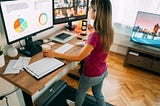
(103,22)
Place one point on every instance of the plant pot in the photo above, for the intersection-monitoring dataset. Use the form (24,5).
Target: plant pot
(2,60)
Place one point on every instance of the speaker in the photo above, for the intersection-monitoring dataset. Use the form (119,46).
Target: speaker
(84,27)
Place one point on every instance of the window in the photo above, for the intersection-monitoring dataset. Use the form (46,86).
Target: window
(125,11)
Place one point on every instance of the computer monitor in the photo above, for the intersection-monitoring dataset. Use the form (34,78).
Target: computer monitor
(66,11)
(23,19)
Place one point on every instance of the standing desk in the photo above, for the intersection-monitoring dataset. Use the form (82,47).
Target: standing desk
(29,85)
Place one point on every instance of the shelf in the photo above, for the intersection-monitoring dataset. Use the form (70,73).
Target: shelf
(143,57)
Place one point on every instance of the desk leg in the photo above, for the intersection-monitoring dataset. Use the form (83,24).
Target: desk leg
(27,99)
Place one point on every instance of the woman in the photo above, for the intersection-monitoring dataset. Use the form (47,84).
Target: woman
(94,54)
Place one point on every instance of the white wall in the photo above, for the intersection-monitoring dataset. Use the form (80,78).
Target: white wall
(121,38)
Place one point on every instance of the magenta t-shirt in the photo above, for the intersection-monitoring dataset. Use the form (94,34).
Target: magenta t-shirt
(95,62)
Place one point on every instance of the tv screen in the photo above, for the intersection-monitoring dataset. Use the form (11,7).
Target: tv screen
(23,18)
(70,10)
(146,29)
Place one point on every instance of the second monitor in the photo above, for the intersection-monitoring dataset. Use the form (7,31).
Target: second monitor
(66,11)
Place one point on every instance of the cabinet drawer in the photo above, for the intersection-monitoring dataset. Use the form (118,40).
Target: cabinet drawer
(140,61)
(156,65)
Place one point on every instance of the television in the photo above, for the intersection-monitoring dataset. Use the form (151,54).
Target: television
(66,11)
(23,19)
(146,30)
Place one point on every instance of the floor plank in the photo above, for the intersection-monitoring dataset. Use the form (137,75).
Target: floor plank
(126,86)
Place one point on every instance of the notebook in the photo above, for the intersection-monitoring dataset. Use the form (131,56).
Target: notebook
(21,62)
(43,67)
(9,69)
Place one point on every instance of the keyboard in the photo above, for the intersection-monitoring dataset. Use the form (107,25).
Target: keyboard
(64,48)
(43,67)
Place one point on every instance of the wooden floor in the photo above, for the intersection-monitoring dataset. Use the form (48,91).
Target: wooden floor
(126,86)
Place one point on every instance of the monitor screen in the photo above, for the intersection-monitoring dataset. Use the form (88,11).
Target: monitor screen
(147,29)
(23,18)
(70,10)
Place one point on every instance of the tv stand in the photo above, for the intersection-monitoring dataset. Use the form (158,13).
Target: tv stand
(143,56)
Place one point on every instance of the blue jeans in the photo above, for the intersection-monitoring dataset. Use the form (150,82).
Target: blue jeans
(96,83)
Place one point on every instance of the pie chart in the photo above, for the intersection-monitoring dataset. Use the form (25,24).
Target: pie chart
(43,18)
(20,25)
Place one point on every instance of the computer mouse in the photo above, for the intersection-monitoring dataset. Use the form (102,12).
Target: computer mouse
(80,43)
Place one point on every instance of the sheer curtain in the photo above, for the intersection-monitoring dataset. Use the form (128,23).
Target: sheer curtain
(125,11)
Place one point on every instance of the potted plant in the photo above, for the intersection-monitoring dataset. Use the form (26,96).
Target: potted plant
(2,61)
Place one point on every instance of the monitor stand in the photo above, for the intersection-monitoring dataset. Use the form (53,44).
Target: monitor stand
(31,48)
(69,26)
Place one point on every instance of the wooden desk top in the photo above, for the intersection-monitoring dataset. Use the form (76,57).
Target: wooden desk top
(28,83)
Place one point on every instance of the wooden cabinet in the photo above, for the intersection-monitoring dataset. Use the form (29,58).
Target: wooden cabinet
(156,64)
(143,56)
